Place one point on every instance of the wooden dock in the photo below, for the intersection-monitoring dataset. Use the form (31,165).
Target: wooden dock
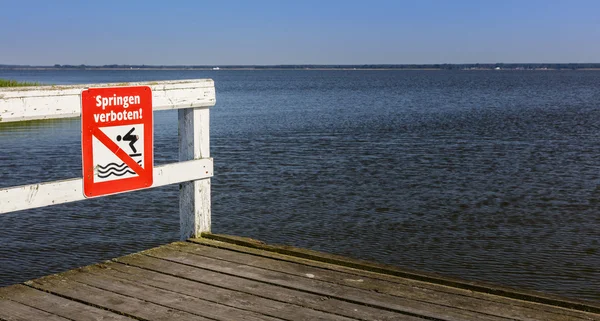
(228,278)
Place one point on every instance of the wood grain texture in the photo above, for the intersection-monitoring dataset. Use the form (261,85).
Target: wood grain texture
(405,274)
(418,290)
(167,298)
(118,303)
(214,294)
(310,285)
(15,311)
(53,102)
(208,280)
(139,263)
(58,306)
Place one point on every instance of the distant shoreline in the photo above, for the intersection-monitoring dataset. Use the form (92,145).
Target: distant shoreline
(290,69)
(475,66)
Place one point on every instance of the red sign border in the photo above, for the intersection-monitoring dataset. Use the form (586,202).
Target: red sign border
(90,129)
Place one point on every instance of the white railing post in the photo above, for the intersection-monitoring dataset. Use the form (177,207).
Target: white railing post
(194,196)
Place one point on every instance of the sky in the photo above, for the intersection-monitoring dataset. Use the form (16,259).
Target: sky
(272,32)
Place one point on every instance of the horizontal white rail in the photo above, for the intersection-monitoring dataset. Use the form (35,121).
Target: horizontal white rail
(71,190)
(51,102)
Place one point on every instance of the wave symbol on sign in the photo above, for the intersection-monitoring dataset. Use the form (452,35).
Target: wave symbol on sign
(114,169)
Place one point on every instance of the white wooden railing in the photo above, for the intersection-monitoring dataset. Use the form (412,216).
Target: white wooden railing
(194,169)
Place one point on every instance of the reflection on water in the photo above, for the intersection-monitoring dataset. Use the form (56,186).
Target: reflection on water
(482,175)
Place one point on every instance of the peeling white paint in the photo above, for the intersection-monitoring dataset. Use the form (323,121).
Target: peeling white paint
(54,102)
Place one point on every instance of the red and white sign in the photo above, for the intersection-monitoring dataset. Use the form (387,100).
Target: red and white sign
(116,139)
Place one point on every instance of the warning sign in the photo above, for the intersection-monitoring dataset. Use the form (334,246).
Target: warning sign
(116,139)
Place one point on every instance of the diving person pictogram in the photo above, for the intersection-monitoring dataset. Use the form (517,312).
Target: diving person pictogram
(131,139)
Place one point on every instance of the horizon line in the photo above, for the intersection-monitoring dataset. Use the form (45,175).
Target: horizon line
(299,65)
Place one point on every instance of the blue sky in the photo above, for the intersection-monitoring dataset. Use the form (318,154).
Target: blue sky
(298,32)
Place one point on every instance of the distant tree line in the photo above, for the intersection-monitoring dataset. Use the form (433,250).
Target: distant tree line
(476,66)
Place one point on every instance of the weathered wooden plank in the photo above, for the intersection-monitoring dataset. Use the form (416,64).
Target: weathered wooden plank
(115,302)
(14,311)
(214,294)
(142,265)
(307,284)
(382,270)
(57,305)
(51,102)
(58,192)
(416,290)
(168,298)
(320,263)
(194,195)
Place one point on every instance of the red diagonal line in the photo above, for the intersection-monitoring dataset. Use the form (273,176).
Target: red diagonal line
(113,147)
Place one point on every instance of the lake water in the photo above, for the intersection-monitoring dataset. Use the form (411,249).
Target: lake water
(484,175)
